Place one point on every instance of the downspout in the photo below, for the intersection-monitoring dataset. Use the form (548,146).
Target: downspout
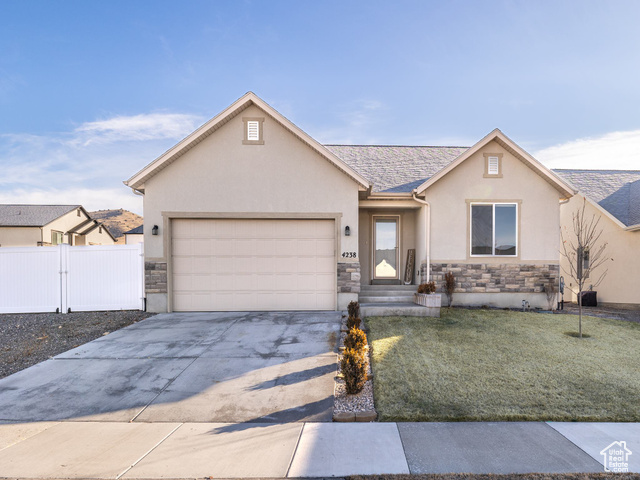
(427,234)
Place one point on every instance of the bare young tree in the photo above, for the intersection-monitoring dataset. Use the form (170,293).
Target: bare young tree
(584,253)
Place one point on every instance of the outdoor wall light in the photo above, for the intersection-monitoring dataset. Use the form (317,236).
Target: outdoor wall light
(347,231)
(154,230)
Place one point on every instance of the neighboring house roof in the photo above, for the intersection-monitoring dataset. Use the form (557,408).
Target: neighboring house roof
(616,191)
(32,215)
(396,168)
(136,182)
(135,231)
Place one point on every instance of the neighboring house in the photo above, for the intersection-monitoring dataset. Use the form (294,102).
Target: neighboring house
(254,214)
(38,225)
(614,196)
(135,235)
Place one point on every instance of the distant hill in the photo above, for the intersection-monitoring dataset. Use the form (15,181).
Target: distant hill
(118,221)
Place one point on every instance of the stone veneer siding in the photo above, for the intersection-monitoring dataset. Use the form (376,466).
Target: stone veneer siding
(155,277)
(349,277)
(495,278)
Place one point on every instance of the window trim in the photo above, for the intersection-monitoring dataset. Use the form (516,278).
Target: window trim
(245,129)
(486,165)
(53,232)
(517,204)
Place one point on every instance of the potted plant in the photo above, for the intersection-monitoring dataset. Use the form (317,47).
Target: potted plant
(427,296)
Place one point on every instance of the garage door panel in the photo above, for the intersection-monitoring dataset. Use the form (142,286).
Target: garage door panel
(325,247)
(237,264)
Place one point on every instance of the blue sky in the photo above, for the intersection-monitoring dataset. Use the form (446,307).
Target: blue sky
(90,92)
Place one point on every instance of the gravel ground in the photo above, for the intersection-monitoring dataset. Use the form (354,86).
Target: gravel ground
(360,402)
(603,312)
(30,338)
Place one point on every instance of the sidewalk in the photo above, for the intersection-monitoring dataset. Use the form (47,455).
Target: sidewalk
(196,450)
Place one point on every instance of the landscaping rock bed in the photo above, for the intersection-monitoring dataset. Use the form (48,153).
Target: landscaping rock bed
(358,407)
(30,338)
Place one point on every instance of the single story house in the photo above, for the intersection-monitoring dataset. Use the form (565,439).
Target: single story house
(134,236)
(614,197)
(251,213)
(46,225)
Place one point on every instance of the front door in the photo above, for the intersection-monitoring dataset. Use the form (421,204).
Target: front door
(385,248)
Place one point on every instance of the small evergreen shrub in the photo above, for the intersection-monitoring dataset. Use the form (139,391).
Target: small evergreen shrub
(354,309)
(353,322)
(354,368)
(429,287)
(356,339)
(449,286)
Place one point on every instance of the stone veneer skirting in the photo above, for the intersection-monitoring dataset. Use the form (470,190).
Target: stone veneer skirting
(155,277)
(349,277)
(494,278)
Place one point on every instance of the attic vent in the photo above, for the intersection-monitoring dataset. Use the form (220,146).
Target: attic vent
(253,131)
(493,166)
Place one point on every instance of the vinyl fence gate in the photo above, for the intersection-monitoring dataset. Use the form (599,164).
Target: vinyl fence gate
(65,278)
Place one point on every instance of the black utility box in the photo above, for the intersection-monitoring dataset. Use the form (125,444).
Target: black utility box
(589,299)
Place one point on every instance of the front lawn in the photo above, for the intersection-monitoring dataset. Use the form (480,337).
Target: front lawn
(483,365)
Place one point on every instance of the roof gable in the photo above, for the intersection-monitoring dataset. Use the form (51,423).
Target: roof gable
(137,181)
(32,215)
(496,135)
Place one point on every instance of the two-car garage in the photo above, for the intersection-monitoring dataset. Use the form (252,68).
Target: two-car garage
(241,264)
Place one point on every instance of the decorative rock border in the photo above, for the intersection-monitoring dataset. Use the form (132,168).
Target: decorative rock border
(353,413)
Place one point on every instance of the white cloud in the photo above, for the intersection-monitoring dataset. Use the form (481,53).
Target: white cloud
(147,126)
(87,165)
(612,151)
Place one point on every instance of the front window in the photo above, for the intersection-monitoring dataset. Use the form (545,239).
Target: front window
(494,229)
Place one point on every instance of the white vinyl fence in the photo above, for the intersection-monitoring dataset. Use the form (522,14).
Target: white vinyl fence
(63,278)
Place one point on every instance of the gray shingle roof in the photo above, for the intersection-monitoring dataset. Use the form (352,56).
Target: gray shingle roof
(32,215)
(396,168)
(617,191)
(137,230)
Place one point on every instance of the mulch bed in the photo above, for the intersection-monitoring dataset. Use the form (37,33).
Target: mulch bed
(30,338)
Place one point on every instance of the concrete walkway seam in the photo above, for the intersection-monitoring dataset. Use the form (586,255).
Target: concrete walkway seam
(295,450)
(577,446)
(150,450)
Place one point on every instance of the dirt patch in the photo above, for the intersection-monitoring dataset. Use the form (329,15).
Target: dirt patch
(30,338)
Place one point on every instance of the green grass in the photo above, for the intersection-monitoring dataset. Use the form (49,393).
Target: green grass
(488,365)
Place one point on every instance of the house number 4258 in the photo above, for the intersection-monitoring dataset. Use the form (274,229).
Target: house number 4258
(348,254)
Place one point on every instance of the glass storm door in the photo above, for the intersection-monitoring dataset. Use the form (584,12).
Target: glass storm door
(385,244)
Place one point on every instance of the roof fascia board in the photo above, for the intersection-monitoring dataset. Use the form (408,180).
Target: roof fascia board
(496,134)
(209,127)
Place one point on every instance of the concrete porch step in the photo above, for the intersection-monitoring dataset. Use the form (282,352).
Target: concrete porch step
(387,297)
(388,288)
(397,309)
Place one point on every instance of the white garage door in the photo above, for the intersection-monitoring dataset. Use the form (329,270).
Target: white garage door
(237,265)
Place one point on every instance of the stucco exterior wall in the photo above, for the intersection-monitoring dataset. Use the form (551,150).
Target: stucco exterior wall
(20,236)
(133,238)
(96,237)
(221,175)
(538,211)
(622,283)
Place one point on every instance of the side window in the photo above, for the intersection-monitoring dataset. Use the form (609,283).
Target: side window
(56,237)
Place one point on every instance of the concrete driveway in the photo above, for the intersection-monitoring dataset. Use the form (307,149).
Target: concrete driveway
(188,367)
